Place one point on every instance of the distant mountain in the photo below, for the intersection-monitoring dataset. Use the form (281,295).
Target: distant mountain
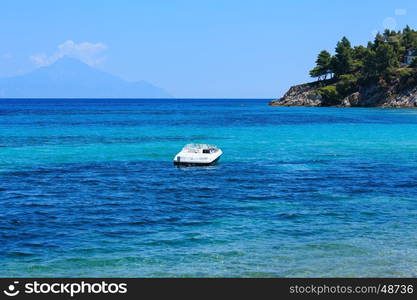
(70,78)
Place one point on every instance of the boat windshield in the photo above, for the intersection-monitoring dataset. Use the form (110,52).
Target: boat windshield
(198,147)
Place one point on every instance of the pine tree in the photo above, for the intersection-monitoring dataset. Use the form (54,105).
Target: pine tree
(409,38)
(323,65)
(386,59)
(343,60)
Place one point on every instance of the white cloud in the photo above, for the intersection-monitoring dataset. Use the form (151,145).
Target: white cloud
(89,53)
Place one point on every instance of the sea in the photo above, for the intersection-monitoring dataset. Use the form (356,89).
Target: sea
(88,189)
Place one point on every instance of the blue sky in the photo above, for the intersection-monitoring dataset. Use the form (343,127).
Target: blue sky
(192,48)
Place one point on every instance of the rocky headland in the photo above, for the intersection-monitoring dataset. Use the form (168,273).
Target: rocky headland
(369,96)
(381,74)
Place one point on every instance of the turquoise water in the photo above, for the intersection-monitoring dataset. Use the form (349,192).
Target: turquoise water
(87,188)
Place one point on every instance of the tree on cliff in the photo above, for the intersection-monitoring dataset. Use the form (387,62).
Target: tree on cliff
(342,62)
(323,65)
(386,58)
(409,38)
(391,58)
(388,63)
(381,61)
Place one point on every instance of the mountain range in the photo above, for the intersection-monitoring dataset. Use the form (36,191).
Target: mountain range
(71,78)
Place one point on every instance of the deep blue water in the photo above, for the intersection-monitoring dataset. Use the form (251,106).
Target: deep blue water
(87,188)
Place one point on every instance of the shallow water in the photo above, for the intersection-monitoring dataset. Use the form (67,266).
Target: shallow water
(87,188)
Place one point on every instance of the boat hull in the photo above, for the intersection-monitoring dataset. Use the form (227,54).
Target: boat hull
(193,164)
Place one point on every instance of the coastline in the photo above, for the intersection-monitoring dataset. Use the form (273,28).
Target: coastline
(307,95)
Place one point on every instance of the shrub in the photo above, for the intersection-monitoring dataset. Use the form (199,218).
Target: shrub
(347,84)
(408,78)
(400,75)
(404,72)
(330,95)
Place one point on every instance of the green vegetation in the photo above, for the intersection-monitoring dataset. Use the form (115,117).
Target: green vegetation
(323,65)
(391,59)
(330,94)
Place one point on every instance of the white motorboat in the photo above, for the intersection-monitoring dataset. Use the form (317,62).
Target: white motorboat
(198,155)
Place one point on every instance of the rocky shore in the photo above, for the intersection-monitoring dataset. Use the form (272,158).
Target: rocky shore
(370,96)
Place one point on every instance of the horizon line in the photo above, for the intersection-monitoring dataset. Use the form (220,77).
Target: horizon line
(130,98)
